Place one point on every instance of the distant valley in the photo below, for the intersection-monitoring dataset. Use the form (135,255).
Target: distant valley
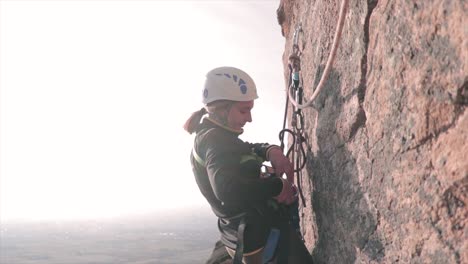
(175,238)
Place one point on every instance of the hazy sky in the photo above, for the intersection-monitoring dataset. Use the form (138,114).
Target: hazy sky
(94,95)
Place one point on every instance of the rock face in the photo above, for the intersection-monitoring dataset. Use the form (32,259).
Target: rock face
(387,174)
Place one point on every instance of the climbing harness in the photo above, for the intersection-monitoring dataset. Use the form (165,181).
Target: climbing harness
(295,94)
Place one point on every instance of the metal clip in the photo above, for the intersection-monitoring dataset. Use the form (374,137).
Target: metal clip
(296,34)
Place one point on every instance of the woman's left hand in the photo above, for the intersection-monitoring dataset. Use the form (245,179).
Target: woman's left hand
(281,163)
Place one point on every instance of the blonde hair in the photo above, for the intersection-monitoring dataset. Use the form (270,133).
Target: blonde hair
(217,110)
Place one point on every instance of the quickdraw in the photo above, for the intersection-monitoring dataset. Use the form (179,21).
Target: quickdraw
(296,151)
(295,95)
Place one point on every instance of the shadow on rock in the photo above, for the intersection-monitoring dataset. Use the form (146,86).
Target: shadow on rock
(345,223)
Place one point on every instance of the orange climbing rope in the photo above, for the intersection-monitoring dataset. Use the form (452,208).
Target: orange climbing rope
(330,60)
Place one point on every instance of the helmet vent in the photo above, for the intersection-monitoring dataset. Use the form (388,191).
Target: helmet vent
(241,83)
(242,86)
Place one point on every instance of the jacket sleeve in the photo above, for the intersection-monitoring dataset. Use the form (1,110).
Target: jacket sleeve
(225,175)
(261,149)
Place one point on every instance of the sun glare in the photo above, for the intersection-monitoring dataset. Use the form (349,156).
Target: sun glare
(94,95)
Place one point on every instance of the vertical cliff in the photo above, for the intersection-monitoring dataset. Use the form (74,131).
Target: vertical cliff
(387,174)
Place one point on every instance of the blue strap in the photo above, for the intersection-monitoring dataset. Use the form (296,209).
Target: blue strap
(271,245)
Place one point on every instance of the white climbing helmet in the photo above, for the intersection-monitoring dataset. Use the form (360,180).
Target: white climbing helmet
(228,83)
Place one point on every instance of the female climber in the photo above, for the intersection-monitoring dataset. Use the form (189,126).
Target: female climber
(253,223)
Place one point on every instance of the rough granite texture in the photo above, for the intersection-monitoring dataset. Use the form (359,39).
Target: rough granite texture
(387,173)
(387,140)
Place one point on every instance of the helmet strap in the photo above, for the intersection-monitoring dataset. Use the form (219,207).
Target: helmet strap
(219,111)
(224,126)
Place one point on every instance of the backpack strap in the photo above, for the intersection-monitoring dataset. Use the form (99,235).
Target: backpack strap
(240,230)
(198,158)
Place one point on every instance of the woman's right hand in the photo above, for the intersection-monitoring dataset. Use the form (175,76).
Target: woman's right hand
(288,193)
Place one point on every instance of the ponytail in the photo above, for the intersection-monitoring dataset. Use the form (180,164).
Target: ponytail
(193,121)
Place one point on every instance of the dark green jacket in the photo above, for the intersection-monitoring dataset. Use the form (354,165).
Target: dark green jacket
(227,172)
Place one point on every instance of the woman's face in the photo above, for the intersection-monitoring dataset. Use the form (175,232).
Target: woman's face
(240,114)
